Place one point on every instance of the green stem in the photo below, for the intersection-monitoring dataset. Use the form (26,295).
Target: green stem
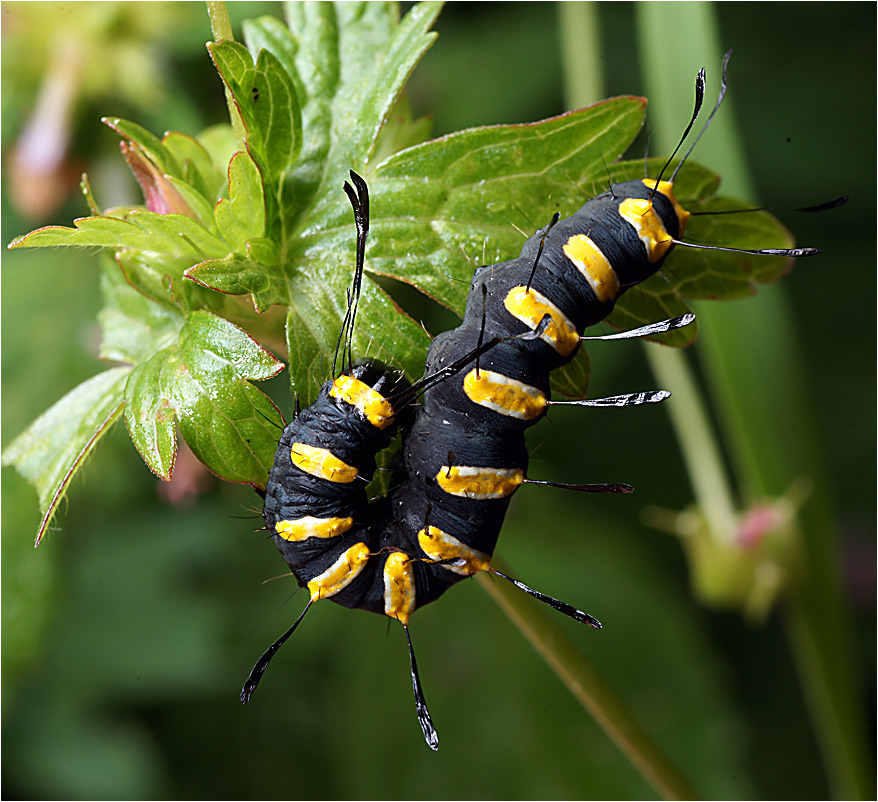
(221,28)
(220,24)
(591,691)
(583,77)
(753,345)
(697,442)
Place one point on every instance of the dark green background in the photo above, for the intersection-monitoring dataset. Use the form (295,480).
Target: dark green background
(127,635)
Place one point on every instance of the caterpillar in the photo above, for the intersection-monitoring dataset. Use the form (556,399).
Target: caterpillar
(463,450)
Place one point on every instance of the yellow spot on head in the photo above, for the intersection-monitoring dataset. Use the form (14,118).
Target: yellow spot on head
(322,463)
(504,395)
(480,484)
(666,188)
(374,406)
(594,266)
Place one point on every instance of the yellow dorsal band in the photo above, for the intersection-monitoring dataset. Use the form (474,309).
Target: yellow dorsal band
(481,484)
(441,546)
(304,528)
(641,214)
(594,266)
(374,406)
(399,587)
(666,188)
(504,395)
(322,463)
(340,574)
(530,307)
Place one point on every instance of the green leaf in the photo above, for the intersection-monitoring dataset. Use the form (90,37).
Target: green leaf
(160,279)
(400,131)
(198,166)
(444,206)
(708,275)
(201,211)
(219,143)
(269,33)
(133,325)
(161,156)
(241,216)
(54,447)
(149,414)
(175,235)
(202,381)
(365,57)
(317,309)
(256,273)
(403,47)
(266,97)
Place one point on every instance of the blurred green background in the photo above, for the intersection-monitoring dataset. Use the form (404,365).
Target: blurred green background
(127,635)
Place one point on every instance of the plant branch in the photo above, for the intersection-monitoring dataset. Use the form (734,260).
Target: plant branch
(221,28)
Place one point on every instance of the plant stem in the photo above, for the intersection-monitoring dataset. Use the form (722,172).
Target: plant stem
(696,440)
(772,443)
(583,77)
(589,689)
(221,28)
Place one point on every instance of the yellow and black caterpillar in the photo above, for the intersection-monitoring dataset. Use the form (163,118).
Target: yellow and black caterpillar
(463,446)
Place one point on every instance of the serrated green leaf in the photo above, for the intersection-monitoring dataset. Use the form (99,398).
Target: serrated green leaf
(706,274)
(54,447)
(400,131)
(407,41)
(256,273)
(241,216)
(314,320)
(266,96)
(219,142)
(203,381)
(173,235)
(365,57)
(269,33)
(199,169)
(100,232)
(179,234)
(133,326)
(201,211)
(161,156)
(150,415)
(162,279)
(85,186)
(442,207)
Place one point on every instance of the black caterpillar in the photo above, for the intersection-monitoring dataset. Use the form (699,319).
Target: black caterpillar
(464,452)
